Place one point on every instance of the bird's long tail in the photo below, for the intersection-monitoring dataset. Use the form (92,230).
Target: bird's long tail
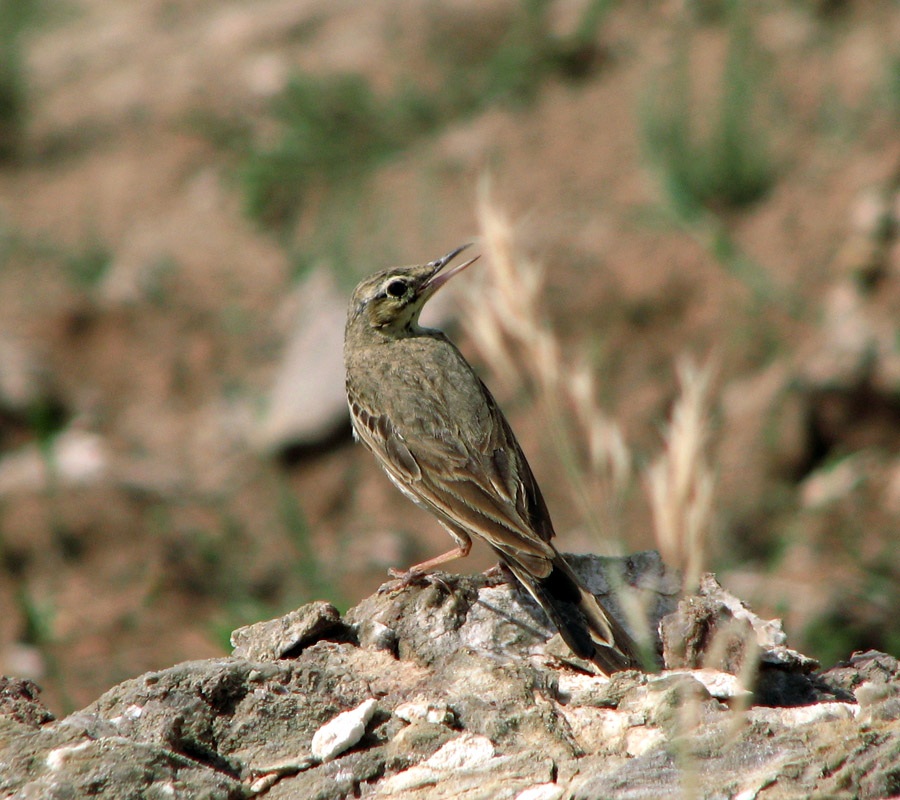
(585,625)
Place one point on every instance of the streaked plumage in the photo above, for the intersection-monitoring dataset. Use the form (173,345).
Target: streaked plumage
(438,433)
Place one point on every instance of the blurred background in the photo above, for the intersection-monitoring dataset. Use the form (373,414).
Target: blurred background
(189,189)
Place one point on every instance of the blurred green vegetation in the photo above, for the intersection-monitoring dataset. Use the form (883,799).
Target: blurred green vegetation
(87,265)
(335,129)
(858,623)
(712,156)
(332,129)
(15,16)
(892,85)
(714,153)
(82,264)
(38,612)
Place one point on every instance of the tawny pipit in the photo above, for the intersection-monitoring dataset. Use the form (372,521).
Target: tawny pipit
(440,436)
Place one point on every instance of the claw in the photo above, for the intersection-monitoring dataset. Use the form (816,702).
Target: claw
(405,579)
(402,580)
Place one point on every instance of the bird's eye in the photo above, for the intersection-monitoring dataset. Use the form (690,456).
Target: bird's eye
(396,288)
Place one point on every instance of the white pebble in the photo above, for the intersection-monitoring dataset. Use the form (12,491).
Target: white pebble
(820,712)
(642,739)
(543,791)
(56,758)
(463,752)
(424,711)
(721,685)
(803,715)
(344,731)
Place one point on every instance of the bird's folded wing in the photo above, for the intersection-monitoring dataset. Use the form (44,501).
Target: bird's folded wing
(488,490)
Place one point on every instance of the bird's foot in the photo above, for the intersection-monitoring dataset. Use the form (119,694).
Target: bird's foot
(403,579)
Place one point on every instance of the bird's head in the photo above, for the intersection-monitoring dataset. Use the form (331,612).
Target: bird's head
(389,302)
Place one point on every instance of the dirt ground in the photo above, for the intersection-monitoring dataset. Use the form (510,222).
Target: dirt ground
(145,315)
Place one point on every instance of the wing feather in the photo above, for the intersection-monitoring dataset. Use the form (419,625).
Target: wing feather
(484,487)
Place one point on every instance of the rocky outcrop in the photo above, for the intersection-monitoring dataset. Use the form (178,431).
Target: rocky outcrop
(451,689)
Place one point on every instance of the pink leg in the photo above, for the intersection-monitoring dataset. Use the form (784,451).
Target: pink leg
(451,555)
(417,571)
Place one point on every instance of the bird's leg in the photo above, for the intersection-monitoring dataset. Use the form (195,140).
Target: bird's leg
(427,566)
(419,572)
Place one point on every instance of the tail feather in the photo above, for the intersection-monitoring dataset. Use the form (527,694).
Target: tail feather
(587,628)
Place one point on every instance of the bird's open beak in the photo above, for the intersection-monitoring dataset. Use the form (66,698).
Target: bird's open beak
(439,278)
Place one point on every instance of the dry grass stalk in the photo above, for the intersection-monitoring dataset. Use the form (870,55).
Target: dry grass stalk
(510,328)
(680,481)
(690,714)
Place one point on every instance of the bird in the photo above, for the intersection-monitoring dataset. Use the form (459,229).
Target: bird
(436,430)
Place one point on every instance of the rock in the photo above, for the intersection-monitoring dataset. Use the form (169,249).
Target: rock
(72,758)
(287,635)
(543,791)
(22,382)
(466,766)
(308,406)
(467,703)
(423,711)
(344,731)
(714,629)
(472,613)
(715,626)
(73,458)
(870,669)
(19,701)
(833,482)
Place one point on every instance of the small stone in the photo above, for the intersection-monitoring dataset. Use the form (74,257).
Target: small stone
(58,757)
(287,635)
(424,711)
(344,731)
(871,214)
(879,701)
(870,693)
(663,699)
(20,377)
(468,752)
(599,730)
(543,791)
(803,715)
(833,482)
(20,700)
(377,635)
(76,458)
(464,752)
(264,783)
(580,689)
(308,404)
(720,685)
(642,739)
